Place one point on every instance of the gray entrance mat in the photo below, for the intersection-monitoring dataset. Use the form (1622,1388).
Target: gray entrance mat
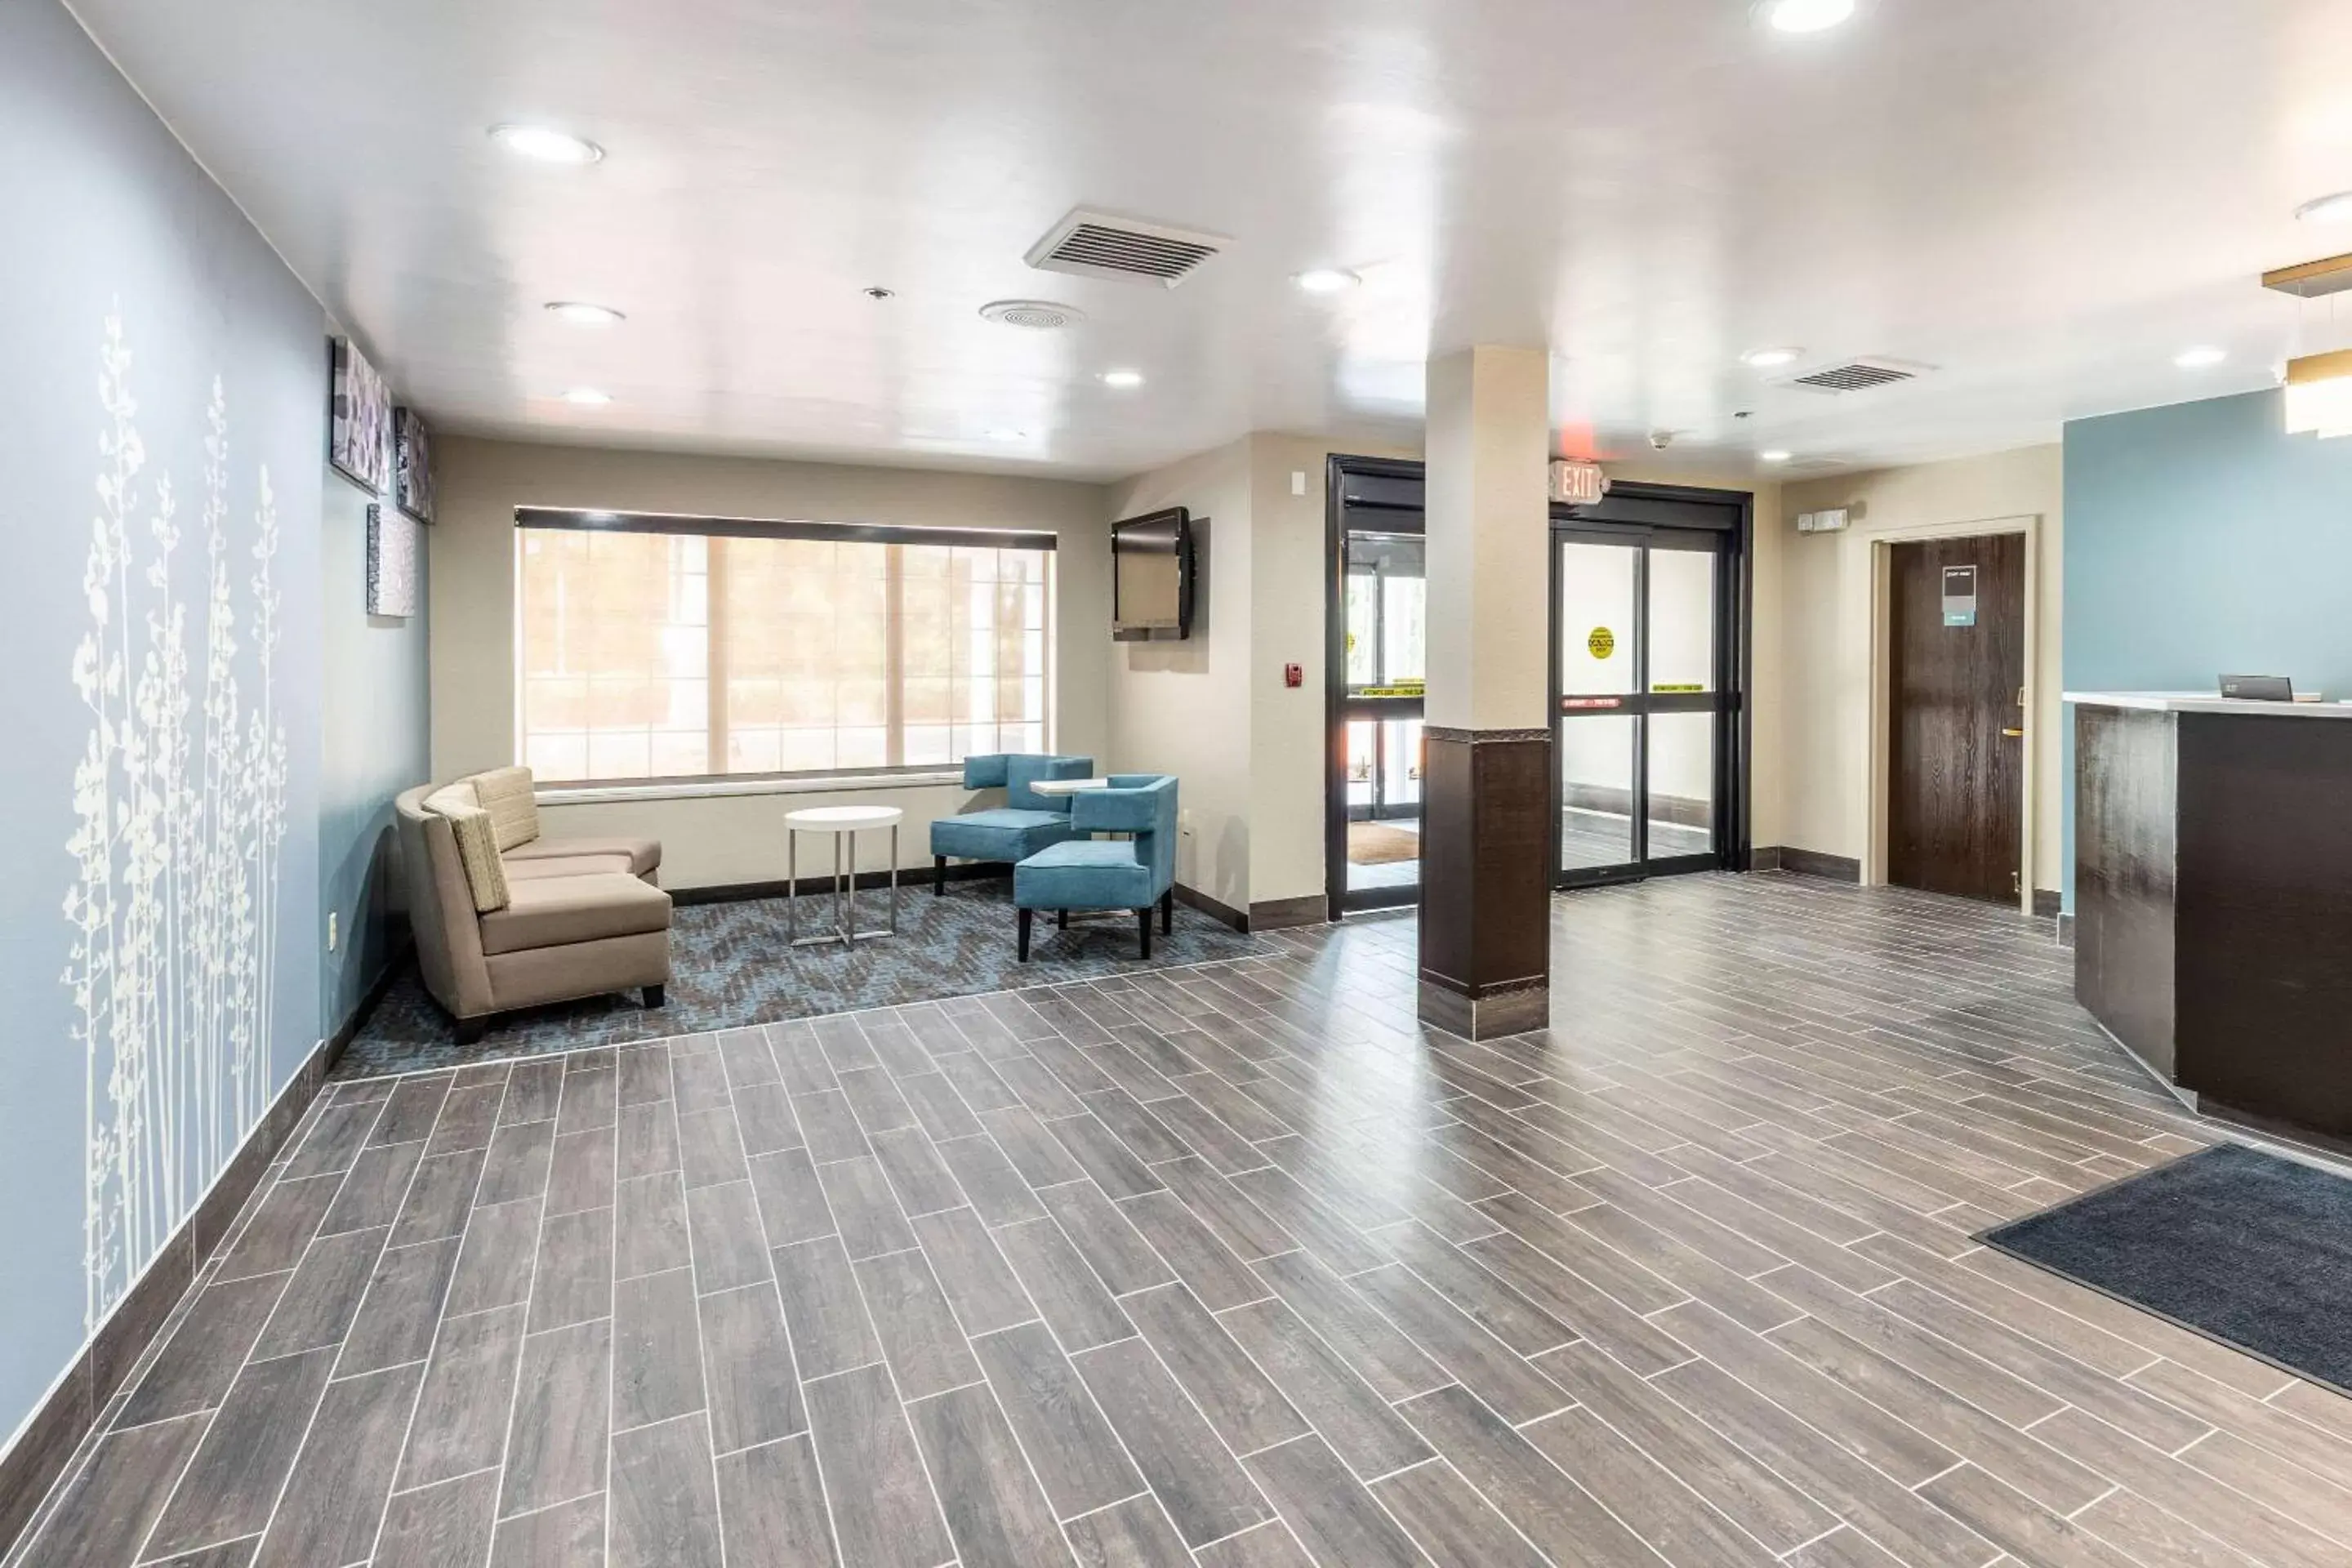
(2244,1247)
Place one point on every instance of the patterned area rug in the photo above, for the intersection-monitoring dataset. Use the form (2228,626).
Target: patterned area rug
(731,967)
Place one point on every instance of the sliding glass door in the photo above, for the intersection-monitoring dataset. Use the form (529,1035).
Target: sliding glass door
(1648,662)
(1641,682)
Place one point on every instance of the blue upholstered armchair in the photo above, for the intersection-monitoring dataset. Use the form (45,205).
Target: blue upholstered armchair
(1109,874)
(1027,823)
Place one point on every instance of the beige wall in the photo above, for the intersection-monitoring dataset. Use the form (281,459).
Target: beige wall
(1289,754)
(720,839)
(1826,607)
(1183,708)
(1215,709)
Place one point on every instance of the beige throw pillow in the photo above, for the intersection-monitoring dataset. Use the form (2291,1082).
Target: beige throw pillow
(512,800)
(477,845)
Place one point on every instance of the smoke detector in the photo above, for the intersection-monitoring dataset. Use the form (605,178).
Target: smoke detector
(1855,375)
(1037,315)
(1091,243)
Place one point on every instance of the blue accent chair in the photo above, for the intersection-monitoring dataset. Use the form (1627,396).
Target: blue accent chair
(1026,822)
(1108,874)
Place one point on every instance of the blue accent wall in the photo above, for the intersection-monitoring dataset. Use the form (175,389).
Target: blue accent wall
(375,740)
(180,810)
(2201,539)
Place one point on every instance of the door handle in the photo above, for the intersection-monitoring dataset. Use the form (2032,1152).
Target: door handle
(2012,734)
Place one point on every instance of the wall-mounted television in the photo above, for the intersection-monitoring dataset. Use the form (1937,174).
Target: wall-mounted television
(1152,577)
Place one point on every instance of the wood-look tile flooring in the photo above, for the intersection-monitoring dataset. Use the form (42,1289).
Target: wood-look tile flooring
(1237,1267)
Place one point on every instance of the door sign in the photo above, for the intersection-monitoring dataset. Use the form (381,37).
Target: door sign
(1959,595)
(1602,642)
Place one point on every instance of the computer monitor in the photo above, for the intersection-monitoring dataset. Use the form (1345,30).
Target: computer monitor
(2258,688)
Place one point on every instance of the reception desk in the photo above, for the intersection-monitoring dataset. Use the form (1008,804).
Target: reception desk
(2213,897)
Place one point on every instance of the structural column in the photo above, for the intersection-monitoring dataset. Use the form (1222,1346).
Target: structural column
(1486,888)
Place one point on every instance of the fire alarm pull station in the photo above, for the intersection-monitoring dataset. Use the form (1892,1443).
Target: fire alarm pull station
(1294,675)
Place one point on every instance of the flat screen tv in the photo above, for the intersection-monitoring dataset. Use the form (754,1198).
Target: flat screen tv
(1152,569)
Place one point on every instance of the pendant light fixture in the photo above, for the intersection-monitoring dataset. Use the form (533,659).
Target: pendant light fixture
(2319,386)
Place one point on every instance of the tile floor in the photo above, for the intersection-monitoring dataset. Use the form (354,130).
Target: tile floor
(1235,1267)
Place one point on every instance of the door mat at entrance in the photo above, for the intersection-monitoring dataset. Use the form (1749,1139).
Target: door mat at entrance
(2240,1246)
(1376,844)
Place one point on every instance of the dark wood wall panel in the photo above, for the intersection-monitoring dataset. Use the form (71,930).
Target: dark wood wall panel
(2124,799)
(1485,903)
(2264,963)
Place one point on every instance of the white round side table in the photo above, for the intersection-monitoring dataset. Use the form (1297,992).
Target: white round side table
(845,823)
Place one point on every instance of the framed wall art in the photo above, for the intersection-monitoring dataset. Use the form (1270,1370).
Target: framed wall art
(412,482)
(359,440)
(391,561)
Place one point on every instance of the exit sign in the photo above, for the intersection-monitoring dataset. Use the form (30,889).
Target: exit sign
(1576,483)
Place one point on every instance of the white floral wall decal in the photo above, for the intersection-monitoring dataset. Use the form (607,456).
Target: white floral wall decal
(180,802)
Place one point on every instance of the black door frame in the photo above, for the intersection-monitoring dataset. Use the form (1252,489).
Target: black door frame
(1389,490)
(1394,486)
(1634,515)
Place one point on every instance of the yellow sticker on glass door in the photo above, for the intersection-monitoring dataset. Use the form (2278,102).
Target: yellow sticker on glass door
(1602,642)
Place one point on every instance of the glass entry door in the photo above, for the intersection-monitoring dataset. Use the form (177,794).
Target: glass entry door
(1385,595)
(1640,672)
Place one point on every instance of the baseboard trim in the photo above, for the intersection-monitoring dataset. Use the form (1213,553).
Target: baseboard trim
(2046,904)
(1193,899)
(1280,914)
(1483,1012)
(2064,927)
(378,988)
(44,1445)
(1810,863)
(1767,858)
(911,879)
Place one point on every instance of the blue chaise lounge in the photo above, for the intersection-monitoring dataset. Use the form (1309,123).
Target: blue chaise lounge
(1108,874)
(1026,822)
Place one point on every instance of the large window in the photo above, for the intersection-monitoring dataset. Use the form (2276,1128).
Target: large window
(662,648)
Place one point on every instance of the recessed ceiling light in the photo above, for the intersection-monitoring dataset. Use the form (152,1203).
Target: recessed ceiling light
(545,144)
(1124,380)
(2201,358)
(1774,455)
(1808,16)
(1771,359)
(587,397)
(1327,280)
(580,313)
(879,292)
(2336,208)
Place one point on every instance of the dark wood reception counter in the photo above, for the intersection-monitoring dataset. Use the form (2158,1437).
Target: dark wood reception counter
(2213,897)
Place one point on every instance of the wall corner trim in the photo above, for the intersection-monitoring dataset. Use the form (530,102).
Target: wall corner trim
(1811,863)
(1280,914)
(1192,898)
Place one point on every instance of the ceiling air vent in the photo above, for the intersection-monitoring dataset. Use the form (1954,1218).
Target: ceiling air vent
(1037,315)
(1100,245)
(1855,375)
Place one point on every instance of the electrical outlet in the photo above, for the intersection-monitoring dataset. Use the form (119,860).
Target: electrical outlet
(334,927)
(1299,481)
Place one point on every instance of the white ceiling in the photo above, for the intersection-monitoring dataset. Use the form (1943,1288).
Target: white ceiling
(2045,199)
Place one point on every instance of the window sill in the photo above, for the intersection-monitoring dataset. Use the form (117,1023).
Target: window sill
(701,789)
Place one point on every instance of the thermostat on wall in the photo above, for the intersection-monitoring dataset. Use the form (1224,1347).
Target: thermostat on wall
(1833,521)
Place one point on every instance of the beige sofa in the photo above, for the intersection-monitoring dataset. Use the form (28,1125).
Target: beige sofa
(505,919)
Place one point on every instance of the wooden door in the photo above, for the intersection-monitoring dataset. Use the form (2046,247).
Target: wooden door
(1956,723)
